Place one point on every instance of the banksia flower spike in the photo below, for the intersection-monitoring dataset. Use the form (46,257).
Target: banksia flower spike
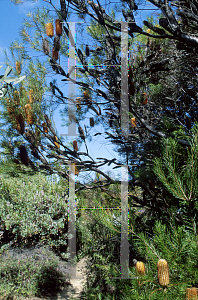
(45,129)
(133,122)
(46,48)
(58,27)
(29,114)
(18,67)
(49,29)
(191,293)
(75,145)
(91,122)
(31,99)
(16,98)
(54,54)
(163,272)
(140,268)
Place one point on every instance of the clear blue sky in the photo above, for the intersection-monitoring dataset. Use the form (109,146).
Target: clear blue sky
(11,18)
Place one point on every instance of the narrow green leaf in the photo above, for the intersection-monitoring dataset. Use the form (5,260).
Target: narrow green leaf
(7,71)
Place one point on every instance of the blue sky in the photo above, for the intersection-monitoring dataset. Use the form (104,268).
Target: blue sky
(11,18)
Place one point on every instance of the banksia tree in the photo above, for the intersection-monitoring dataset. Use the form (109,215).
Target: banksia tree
(163,272)
(191,293)
(23,155)
(58,27)
(29,114)
(140,268)
(49,29)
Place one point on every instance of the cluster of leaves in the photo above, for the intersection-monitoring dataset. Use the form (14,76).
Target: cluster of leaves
(33,209)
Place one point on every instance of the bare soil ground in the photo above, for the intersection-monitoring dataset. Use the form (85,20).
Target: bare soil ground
(73,290)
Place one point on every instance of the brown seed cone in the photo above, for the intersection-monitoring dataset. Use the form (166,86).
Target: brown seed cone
(29,114)
(91,121)
(49,29)
(58,27)
(18,67)
(45,129)
(163,272)
(140,268)
(75,145)
(23,155)
(54,54)
(46,48)
(20,124)
(191,293)
(31,99)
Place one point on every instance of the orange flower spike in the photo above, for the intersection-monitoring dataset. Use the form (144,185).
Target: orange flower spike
(49,29)
(191,293)
(145,99)
(133,122)
(56,144)
(163,272)
(29,114)
(18,67)
(140,268)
